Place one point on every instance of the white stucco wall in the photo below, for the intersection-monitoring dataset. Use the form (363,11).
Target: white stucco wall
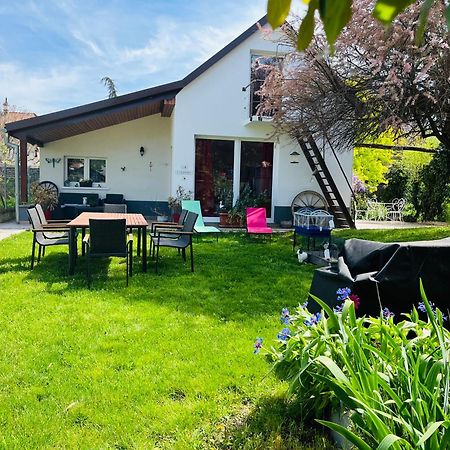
(120,146)
(214,106)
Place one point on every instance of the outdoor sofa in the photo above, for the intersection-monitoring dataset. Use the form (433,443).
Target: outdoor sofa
(389,271)
(70,204)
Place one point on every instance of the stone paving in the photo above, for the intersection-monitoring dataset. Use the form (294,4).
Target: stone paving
(9,228)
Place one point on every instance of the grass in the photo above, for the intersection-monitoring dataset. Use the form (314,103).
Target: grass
(396,235)
(164,363)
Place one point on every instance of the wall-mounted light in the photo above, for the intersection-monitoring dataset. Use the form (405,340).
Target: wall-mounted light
(53,161)
(150,166)
(142,151)
(295,157)
(123,168)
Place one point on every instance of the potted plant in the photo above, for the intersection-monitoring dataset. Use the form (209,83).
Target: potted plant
(47,198)
(175,201)
(86,182)
(238,213)
(224,197)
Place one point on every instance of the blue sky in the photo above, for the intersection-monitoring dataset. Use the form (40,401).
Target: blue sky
(53,53)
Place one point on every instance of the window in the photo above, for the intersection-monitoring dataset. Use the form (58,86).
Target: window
(261,65)
(214,175)
(77,169)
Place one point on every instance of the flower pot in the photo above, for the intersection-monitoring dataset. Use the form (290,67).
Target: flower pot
(85,183)
(223,219)
(48,214)
(341,417)
(176,217)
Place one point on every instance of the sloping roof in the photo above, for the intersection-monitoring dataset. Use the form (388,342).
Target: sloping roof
(14,116)
(105,113)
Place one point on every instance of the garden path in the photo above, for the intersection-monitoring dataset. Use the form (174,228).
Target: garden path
(9,228)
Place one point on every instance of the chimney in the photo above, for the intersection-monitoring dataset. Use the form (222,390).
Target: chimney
(5,106)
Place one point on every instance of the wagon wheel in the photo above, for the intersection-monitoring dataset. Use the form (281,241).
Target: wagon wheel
(49,186)
(308,199)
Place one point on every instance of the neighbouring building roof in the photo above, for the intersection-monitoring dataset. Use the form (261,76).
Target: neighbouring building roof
(7,116)
(105,113)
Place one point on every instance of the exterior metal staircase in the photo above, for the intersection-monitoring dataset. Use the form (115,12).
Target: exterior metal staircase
(342,216)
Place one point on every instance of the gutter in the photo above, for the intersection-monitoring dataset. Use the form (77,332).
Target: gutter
(15,148)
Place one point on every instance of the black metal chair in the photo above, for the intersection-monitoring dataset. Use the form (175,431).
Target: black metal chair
(115,208)
(168,226)
(44,238)
(176,238)
(108,237)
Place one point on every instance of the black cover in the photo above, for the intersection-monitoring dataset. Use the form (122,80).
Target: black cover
(396,269)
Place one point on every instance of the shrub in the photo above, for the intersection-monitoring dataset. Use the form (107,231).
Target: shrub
(393,379)
(435,186)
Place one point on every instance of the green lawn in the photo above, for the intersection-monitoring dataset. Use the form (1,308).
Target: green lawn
(164,363)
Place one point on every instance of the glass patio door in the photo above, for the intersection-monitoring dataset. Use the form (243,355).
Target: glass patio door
(214,174)
(257,171)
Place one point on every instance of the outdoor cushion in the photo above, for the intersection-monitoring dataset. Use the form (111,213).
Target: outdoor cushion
(114,199)
(76,198)
(388,273)
(71,205)
(257,222)
(200,227)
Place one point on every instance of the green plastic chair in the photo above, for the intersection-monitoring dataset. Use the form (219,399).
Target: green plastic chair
(200,227)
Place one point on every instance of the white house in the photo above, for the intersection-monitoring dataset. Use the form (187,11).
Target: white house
(200,133)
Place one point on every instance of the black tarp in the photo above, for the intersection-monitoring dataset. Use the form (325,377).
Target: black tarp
(395,268)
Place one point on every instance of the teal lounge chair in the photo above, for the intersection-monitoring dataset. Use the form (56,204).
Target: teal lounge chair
(200,227)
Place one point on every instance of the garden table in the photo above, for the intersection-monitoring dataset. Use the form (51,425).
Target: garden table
(136,221)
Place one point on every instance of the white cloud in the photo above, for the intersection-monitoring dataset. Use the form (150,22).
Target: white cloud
(136,51)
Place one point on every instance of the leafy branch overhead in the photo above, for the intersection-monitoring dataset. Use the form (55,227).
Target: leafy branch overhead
(336,14)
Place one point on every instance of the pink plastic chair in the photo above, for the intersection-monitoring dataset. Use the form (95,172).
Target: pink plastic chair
(257,222)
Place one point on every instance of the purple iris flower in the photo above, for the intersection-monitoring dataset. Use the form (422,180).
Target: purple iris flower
(285,318)
(343,293)
(313,320)
(258,345)
(387,314)
(284,334)
(421,307)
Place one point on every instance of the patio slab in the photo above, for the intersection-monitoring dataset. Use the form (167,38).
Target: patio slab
(9,228)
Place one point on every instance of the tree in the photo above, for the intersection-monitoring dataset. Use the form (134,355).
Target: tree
(112,92)
(377,80)
(336,14)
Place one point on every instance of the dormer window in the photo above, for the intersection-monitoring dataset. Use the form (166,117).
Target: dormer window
(261,66)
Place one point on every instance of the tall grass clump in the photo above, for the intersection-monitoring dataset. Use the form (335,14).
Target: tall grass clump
(391,379)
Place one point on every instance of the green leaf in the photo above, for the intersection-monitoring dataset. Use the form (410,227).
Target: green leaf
(431,429)
(423,17)
(333,368)
(306,31)
(330,313)
(335,14)
(388,441)
(447,16)
(387,10)
(349,435)
(277,11)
